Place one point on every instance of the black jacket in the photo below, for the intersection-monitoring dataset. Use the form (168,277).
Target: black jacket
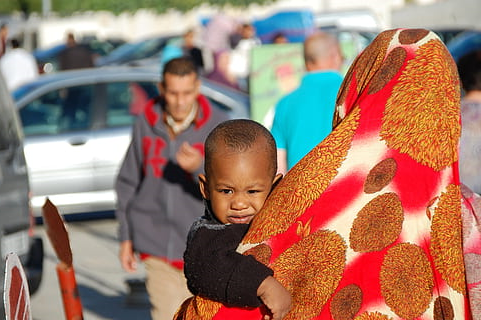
(215,270)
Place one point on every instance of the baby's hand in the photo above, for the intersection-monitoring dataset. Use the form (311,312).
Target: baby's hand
(275,297)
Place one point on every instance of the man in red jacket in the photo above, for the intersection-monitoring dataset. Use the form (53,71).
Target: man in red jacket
(157,187)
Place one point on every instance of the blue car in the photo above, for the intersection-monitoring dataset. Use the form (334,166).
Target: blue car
(139,53)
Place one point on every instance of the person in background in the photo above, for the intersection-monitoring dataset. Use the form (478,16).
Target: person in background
(235,36)
(469,68)
(170,51)
(75,56)
(157,190)
(240,172)
(239,60)
(303,118)
(220,72)
(3,38)
(279,38)
(191,50)
(18,66)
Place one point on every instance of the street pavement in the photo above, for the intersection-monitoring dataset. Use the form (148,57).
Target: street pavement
(100,279)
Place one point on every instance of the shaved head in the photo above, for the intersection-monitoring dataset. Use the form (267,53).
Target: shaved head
(322,51)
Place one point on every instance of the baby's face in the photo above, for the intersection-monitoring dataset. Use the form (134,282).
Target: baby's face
(238,185)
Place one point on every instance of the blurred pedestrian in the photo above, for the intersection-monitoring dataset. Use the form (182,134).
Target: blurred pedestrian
(239,61)
(217,32)
(18,66)
(235,36)
(191,50)
(469,68)
(75,56)
(279,38)
(303,118)
(171,51)
(157,189)
(3,38)
(220,72)
(471,215)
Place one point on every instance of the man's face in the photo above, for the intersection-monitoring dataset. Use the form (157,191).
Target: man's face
(180,94)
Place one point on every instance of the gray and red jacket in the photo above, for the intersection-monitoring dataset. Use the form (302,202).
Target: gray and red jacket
(157,201)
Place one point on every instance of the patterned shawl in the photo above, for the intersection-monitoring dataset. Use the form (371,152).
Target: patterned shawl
(368,224)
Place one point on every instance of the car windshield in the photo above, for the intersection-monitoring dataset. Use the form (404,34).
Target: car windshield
(148,48)
(136,50)
(123,50)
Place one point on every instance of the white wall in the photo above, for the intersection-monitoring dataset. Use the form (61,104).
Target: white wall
(441,14)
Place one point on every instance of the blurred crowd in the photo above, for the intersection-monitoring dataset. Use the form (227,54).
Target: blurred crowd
(220,49)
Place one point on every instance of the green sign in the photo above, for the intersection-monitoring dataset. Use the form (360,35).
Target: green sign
(276,70)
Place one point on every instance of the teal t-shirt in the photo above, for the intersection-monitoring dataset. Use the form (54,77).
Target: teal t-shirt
(303,118)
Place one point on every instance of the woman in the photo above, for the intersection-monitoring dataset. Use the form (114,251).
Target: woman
(368,224)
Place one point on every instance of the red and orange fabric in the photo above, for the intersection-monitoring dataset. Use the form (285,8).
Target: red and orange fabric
(368,224)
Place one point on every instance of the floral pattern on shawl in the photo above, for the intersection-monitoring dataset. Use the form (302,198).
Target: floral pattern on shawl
(368,225)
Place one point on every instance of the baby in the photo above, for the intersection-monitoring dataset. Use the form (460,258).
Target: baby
(240,172)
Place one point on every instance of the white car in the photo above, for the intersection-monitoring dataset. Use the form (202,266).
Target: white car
(77,127)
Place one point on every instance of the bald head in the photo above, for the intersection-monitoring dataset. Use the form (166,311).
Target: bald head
(322,52)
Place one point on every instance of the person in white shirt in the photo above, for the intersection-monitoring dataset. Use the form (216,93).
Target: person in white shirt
(239,64)
(18,66)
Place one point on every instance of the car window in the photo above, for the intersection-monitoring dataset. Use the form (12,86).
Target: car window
(126,100)
(59,111)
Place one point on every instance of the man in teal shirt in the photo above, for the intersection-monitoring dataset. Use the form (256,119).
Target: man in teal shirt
(303,118)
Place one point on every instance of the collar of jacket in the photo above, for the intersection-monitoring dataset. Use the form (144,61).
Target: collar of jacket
(153,115)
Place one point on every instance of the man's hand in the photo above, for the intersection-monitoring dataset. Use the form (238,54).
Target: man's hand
(189,158)
(127,256)
(275,297)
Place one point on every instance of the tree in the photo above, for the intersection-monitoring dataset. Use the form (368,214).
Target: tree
(68,7)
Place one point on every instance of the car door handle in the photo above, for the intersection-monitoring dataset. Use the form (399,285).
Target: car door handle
(77,141)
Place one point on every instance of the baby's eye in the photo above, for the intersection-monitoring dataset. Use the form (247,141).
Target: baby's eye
(225,191)
(253,191)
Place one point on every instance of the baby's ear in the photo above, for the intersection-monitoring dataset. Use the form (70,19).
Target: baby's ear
(203,186)
(277,179)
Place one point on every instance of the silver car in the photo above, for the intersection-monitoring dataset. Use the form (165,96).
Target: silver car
(77,127)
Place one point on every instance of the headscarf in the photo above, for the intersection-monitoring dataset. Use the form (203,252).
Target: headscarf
(368,224)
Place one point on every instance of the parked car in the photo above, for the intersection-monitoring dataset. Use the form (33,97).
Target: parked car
(138,53)
(77,128)
(16,223)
